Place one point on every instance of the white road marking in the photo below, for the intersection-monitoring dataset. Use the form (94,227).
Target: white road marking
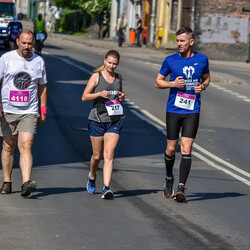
(243,97)
(197,147)
(214,165)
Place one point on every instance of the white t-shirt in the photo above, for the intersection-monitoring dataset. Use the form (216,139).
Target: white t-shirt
(20,78)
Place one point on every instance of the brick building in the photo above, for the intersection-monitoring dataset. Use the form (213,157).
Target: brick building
(222,28)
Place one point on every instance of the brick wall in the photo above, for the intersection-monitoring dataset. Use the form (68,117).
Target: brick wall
(222,29)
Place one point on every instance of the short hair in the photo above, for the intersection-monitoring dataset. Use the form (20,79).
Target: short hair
(25,31)
(185,30)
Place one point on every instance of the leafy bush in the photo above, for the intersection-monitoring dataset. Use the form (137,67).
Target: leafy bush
(72,21)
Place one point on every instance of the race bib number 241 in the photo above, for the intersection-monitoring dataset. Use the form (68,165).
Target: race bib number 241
(185,101)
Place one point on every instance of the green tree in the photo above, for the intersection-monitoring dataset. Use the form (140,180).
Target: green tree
(94,7)
(69,4)
(97,9)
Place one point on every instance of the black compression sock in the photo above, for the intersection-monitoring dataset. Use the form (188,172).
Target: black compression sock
(185,167)
(169,163)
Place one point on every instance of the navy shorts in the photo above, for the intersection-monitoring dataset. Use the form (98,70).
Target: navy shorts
(99,129)
(187,123)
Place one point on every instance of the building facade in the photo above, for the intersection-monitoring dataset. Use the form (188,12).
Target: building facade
(223,28)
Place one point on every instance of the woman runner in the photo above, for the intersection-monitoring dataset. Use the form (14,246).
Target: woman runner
(105,119)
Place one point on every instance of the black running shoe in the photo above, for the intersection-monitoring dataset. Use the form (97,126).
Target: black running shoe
(6,188)
(180,194)
(168,190)
(27,188)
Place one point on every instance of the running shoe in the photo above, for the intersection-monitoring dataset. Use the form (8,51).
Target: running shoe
(27,188)
(168,190)
(91,185)
(180,194)
(6,188)
(107,193)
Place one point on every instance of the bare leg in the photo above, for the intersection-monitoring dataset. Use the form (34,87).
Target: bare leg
(25,142)
(110,143)
(171,147)
(97,147)
(9,144)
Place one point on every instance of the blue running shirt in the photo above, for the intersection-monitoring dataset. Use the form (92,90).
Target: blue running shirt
(191,69)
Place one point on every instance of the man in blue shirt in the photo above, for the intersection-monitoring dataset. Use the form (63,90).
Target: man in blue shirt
(189,76)
(13,30)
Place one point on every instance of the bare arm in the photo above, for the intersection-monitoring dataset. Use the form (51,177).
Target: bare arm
(161,83)
(88,95)
(42,93)
(203,85)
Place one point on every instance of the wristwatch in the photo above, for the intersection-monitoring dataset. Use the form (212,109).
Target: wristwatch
(204,86)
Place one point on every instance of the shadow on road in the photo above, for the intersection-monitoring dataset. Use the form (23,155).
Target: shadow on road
(136,192)
(42,192)
(211,196)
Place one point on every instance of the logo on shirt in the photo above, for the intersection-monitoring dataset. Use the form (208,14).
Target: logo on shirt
(188,71)
(22,80)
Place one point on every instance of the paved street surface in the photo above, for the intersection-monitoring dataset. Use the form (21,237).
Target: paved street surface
(62,215)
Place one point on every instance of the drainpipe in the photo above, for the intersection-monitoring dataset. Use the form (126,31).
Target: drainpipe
(193,13)
(248,56)
(152,24)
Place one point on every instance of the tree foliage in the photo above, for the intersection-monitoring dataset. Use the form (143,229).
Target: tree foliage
(92,7)
(69,4)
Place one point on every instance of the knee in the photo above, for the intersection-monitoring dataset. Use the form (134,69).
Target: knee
(170,150)
(96,156)
(108,156)
(9,145)
(25,146)
(9,148)
(186,149)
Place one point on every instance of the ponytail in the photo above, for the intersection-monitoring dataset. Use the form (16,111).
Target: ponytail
(99,69)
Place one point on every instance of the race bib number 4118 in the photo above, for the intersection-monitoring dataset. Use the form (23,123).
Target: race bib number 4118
(20,98)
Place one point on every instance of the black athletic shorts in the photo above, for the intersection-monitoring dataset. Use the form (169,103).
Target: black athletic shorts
(188,123)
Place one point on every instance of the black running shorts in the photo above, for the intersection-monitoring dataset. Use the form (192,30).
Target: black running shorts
(188,123)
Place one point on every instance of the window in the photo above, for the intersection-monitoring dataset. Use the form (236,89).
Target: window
(174,15)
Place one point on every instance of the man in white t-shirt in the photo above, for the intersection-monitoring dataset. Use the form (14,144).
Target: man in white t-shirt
(23,106)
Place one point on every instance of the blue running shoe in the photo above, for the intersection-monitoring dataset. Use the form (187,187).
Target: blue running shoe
(91,185)
(107,193)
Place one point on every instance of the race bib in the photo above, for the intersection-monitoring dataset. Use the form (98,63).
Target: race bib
(20,98)
(40,36)
(114,107)
(185,101)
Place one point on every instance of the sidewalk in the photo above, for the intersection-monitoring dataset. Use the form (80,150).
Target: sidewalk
(128,50)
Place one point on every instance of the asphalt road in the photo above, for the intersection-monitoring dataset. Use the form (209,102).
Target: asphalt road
(62,215)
